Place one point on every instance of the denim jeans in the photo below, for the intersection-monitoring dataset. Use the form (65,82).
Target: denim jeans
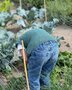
(40,64)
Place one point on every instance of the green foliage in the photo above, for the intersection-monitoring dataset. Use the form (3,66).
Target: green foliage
(6,49)
(5,5)
(65,58)
(30,3)
(36,3)
(4,17)
(31,15)
(16,84)
(62,74)
(1,87)
(60,9)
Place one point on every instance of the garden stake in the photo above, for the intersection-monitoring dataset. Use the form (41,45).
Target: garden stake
(25,68)
(45,10)
(20,3)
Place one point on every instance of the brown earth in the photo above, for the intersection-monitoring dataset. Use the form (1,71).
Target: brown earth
(66,32)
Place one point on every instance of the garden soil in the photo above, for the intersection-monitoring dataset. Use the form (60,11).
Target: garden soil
(66,33)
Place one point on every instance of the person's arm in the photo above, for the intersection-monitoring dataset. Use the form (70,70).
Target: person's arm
(26,38)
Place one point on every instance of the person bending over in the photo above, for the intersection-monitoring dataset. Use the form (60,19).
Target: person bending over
(41,51)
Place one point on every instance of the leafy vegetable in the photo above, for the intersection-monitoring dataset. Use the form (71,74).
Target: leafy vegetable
(21,22)
(6,49)
(21,12)
(4,17)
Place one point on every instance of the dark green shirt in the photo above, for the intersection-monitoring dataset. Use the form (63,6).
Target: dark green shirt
(33,38)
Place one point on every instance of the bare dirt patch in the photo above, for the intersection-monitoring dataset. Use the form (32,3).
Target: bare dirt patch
(66,32)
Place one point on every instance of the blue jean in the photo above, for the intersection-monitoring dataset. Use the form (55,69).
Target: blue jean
(40,64)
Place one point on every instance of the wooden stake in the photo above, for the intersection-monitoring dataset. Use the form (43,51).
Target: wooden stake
(20,3)
(45,10)
(25,68)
